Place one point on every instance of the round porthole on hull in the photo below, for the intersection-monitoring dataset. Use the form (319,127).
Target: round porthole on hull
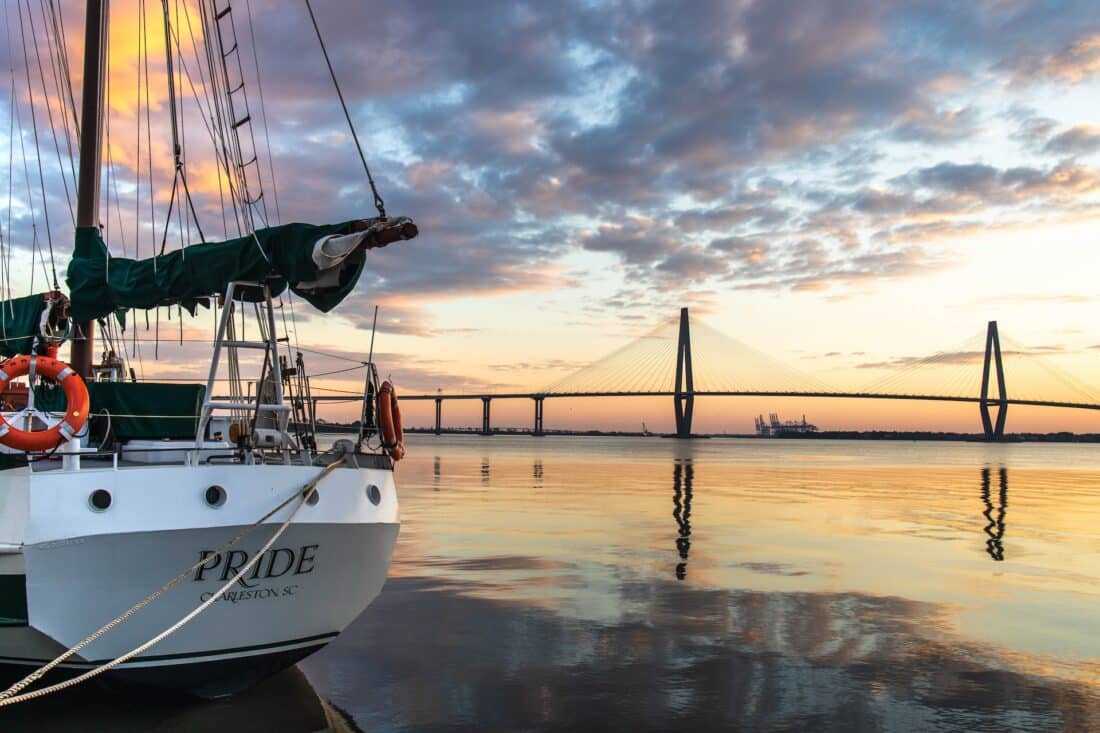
(314,498)
(374,494)
(99,500)
(215,496)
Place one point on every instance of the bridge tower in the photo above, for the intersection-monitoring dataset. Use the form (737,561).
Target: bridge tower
(486,425)
(684,397)
(538,414)
(993,431)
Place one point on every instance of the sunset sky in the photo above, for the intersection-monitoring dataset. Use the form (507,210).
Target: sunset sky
(848,186)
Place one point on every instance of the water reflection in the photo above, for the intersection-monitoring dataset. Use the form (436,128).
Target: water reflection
(996,527)
(286,702)
(437,474)
(706,659)
(683,476)
(828,591)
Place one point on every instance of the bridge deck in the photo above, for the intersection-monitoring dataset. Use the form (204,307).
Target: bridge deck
(833,395)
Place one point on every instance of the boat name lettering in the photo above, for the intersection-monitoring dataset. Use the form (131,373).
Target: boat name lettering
(274,563)
(253,594)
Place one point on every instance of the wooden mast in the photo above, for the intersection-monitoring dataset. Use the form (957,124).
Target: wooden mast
(91,143)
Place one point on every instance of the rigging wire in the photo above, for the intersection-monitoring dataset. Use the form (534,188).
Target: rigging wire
(6,254)
(287,331)
(46,97)
(228,155)
(112,173)
(58,21)
(263,112)
(378,202)
(35,248)
(149,136)
(179,175)
(137,143)
(38,148)
(106,205)
(55,61)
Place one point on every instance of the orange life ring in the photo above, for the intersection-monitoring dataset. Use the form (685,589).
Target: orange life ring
(76,398)
(389,422)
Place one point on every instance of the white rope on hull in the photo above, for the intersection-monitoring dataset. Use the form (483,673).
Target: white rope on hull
(12,695)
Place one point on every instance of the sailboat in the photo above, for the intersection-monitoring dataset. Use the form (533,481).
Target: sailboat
(186,536)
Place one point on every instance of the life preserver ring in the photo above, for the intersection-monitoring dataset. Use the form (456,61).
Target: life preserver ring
(76,398)
(389,422)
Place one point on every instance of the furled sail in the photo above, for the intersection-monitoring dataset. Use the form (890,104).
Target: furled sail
(289,255)
(23,321)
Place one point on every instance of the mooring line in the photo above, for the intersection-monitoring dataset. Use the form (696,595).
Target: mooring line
(11,695)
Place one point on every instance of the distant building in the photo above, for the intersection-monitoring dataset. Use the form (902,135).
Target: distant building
(773,428)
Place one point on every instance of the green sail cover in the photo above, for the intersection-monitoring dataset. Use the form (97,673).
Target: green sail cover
(100,284)
(19,322)
(149,410)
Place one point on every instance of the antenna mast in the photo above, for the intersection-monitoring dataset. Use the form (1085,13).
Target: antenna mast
(91,144)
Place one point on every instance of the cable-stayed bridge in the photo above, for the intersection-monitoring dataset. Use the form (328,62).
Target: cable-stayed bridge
(684,360)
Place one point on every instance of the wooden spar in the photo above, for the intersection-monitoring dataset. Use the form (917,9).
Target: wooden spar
(393,231)
(91,144)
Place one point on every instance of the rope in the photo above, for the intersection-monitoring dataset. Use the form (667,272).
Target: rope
(11,695)
(378,202)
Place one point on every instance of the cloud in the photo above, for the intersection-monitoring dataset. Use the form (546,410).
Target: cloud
(944,358)
(1077,140)
(980,183)
(761,150)
(1074,63)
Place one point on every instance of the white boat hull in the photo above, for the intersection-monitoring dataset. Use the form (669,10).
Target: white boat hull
(84,567)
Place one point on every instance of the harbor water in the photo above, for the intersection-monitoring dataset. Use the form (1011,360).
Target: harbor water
(581,583)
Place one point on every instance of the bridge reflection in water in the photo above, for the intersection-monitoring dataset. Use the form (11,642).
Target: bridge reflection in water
(996,515)
(683,477)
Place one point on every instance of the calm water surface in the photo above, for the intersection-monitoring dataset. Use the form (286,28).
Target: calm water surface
(650,584)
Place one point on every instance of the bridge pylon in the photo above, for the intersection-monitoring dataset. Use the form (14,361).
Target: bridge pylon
(684,396)
(486,424)
(993,431)
(538,414)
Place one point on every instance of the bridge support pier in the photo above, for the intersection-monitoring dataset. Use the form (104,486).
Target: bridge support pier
(538,415)
(684,398)
(993,431)
(486,427)
(438,415)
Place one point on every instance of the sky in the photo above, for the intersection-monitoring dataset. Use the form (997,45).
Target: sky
(847,186)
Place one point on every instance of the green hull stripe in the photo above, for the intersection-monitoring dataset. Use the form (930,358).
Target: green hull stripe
(13,600)
(183,656)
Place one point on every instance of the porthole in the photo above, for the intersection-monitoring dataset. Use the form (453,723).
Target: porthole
(374,494)
(215,496)
(314,498)
(100,500)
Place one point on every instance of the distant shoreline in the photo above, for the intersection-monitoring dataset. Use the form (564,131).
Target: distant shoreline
(898,435)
